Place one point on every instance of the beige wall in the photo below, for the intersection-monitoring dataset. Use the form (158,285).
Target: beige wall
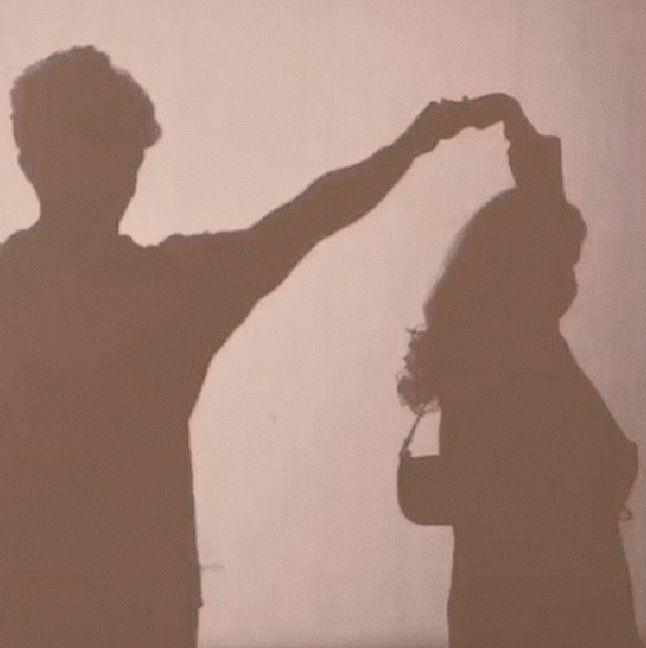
(295,467)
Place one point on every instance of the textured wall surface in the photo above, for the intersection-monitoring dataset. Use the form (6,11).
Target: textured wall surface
(298,523)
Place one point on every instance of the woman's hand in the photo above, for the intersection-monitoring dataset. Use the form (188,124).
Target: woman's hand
(499,107)
(445,119)
(493,108)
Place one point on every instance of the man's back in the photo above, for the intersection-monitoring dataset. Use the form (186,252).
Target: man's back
(103,356)
(104,346)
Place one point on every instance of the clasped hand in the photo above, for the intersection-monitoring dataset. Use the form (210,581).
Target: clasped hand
(445,119)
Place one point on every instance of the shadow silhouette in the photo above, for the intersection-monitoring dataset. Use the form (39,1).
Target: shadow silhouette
(533,471)
(104,345)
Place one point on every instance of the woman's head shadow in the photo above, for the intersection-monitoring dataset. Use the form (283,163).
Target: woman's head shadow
(507,282)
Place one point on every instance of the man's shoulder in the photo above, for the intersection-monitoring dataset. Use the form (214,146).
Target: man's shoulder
(18,244)
(207,249)
(222,240)
(17,238)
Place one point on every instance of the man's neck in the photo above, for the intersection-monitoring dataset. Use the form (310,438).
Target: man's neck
(74,229)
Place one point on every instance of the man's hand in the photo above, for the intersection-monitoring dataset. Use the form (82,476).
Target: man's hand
(438,121)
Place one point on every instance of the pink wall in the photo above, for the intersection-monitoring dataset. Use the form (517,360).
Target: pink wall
(295,468)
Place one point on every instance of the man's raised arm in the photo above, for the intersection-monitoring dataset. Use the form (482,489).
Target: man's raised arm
(242,266)
(343,196)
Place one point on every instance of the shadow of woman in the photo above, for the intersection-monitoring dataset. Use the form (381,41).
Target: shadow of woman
(533,472)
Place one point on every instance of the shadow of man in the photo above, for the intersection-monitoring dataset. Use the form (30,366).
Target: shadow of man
(104,346)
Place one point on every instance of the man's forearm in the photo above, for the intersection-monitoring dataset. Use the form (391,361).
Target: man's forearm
(343,196)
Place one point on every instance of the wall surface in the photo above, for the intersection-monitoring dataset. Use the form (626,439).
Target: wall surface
(299,529)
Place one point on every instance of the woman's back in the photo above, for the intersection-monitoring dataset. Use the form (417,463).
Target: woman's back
(541,474)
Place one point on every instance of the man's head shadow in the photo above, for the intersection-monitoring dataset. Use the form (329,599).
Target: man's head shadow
(81,128)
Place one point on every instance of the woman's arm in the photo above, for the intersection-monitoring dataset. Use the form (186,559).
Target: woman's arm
(534,159)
